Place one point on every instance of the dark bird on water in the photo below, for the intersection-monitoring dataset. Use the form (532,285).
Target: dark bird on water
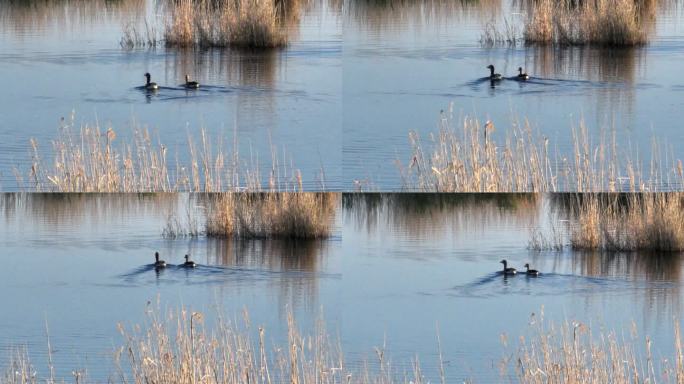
(158,263)
(531,272)
(191,84)
(493,76)
(506,269)
(522,76)
(149,85)
(189,263)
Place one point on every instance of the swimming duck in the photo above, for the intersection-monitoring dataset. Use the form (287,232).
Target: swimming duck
(522,76)
(493,76)
(191,84)
(158,263)
(506,270)
(531,272)
(150,86)
(189,263)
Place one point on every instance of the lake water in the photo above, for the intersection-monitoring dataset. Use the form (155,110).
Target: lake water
(356,78)
(65,57)
(404,63)
(397,268)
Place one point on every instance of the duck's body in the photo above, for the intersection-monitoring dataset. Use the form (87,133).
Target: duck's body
(522,76)
(493,76)
(157,262)
(149,85)
(191,84)
(506,270)
(531,272)
(189,263)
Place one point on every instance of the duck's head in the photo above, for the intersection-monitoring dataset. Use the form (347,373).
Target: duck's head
(527,265)
(187,78)
(490,67)
(503,261)
(187,257)
(156,256)
(520,69)
(147,75)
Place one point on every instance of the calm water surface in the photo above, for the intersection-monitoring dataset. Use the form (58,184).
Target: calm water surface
(397,268)
(404,63)
(62,59)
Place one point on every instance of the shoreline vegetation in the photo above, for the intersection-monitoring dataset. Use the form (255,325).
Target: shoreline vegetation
(646,222)
(258,215)
(603,23)
(463,156)
(255,24)
(91,159)
(178,346)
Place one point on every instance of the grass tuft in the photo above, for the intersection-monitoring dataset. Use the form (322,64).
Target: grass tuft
(295,215)
(590,22)
(237,23)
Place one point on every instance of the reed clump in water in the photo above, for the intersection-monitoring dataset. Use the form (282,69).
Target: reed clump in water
(467,158)
(571,353)
(239,23)
(591,22)
(293,215)
(636,222)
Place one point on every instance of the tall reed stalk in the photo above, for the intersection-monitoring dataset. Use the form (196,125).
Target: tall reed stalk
(465,157)
(92,159)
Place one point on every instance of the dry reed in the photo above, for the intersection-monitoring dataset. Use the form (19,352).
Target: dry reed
(468,159)
(88,160)
(240,23)
(636,222)
(571,353)
(593,22)
(295,215)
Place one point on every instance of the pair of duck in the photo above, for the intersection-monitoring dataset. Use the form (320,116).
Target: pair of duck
(509,271)
(151,86)
(497,76)
(158,263)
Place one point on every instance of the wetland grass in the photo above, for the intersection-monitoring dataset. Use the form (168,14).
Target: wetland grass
(465,157)
(634,222)
(293,215)
(615,23)
(236,23)
(92,159)
(185,346)
(573,353)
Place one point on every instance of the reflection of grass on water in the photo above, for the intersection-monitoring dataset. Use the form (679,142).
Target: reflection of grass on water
(180,347)
(466,158)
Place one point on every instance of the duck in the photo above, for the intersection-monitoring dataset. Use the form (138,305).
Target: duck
(189,263)
(190,84)
(158,263)
(522,76)
(506,270)
(149,85)
(493,76)
(531,272)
